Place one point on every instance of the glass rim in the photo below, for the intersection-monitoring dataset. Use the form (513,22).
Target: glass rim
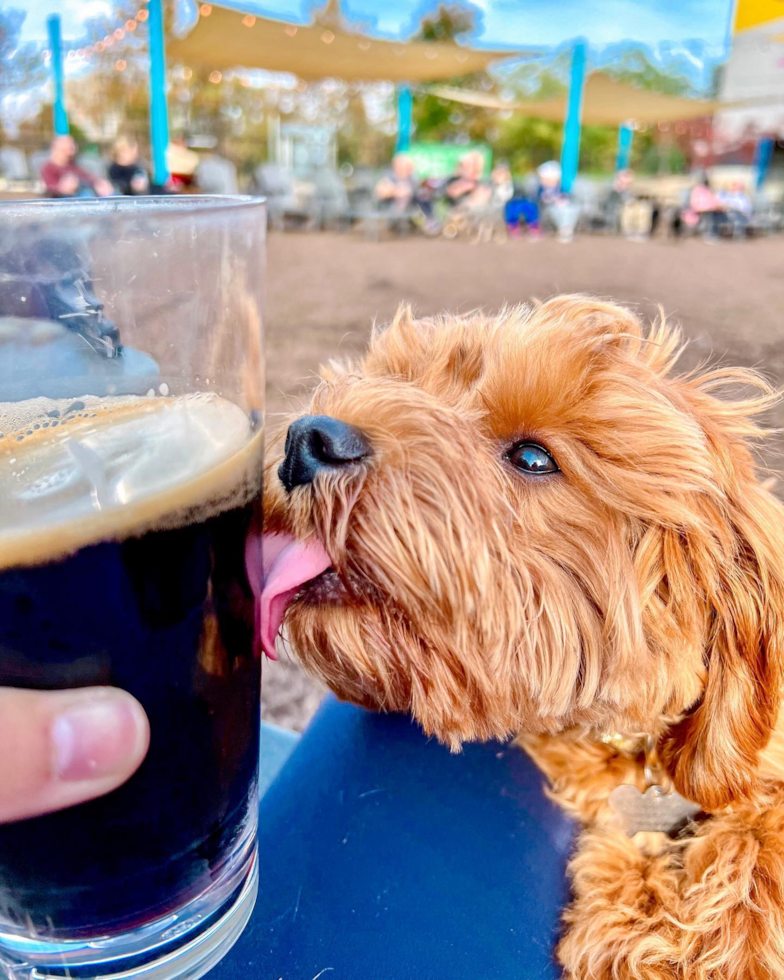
(148,203)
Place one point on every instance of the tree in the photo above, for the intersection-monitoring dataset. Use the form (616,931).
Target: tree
(448,22)
(438,119)
(635,67)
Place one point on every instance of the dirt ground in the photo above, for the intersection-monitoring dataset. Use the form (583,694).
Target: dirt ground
(324,292)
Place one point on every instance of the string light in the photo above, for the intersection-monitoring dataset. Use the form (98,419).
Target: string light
(98,46)
(205,10)
(141,16)
(327,37)
(363,45)
(215,77)
(130,25)
(119,34)
(120,65)
(291,30)
(249,20)
(187,73)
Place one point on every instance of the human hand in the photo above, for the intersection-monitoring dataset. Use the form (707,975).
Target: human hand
(385,189)
(104,188)
(68,184)
(64,747)
(139,183)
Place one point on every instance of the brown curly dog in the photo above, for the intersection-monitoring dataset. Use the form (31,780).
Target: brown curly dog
(529,525)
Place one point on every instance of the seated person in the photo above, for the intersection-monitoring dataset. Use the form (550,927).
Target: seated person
(125,172)
(556,208)
(467,189)
(737,204)
(620,193)
(635,215)
(63,177)
(708,209)
(181,162)
(397,189)
(501,186)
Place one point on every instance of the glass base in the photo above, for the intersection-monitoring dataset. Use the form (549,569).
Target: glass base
(183,945)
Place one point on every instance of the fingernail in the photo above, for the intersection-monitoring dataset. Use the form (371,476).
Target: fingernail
(97,738)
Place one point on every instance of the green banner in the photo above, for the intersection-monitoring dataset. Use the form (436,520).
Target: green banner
(441,159)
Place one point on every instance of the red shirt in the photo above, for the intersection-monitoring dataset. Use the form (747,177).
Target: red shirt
(51,173)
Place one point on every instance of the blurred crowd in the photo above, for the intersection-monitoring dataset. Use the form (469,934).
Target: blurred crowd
(477,201)
(62,176)
(499,206)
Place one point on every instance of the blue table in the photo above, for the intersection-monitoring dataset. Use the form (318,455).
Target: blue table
(385,857)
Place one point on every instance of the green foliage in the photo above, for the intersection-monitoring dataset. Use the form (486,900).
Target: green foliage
(635,68)
(527,142)
(449,21)
(435,119)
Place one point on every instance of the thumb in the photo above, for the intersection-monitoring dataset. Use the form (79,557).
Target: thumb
(65,747)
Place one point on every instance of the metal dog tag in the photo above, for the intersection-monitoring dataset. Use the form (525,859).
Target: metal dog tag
(652,810)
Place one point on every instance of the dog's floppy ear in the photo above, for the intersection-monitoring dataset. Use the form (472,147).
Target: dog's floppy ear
(734,567)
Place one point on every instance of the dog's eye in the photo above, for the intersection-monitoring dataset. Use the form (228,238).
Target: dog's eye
(532,459)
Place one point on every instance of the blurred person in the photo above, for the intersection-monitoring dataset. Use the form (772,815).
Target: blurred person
(620,193)
(708,209)
(181,162)
(632,214)
(398,187)
(501,184)
(738,206)
(555,206)
(466,188)
(63,177)
(125,172)
(399,190)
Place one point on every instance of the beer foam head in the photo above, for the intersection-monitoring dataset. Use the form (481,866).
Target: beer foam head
(77,472)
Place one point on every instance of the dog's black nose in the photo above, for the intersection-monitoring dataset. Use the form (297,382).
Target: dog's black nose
(318,441)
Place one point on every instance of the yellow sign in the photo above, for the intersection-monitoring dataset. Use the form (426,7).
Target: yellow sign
(754,13)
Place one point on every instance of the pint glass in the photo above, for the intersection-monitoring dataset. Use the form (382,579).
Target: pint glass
(131,408)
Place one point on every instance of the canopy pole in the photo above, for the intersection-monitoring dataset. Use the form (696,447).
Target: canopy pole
(54,29)
(763,152)
(405,122)
(625,140)
(570,152)
(159,113)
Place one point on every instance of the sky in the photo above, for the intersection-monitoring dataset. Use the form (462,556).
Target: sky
(504,23)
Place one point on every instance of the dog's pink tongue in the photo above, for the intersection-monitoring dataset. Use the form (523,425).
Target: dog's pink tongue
(287,565)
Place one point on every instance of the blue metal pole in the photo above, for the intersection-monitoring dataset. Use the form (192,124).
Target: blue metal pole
(405,106)
(570,152)
(625,139)
(159,113)
(56,48)
(763,154)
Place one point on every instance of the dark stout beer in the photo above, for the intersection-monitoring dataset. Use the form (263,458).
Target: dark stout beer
(123,527)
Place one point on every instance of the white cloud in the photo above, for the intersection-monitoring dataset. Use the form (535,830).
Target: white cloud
(522,22)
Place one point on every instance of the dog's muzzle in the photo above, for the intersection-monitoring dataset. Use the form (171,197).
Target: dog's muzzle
(317,442)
